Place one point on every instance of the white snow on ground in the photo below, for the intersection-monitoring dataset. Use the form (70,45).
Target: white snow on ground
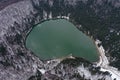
(65,17)
(103,59)
(114,73)
(104,64)
(34,67)
(42,71)
(84,72)
(44,15)
(118,33)
(50,15)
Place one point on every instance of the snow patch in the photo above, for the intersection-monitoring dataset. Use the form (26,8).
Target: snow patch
(50,15)
(84,72)
(34,67)
(114,74)
(42,71)
(103,59)
(118,33)
(65,17)
(44,15)
(104,63)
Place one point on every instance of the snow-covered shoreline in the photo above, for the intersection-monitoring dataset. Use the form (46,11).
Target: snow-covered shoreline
(103,59)
(104,63)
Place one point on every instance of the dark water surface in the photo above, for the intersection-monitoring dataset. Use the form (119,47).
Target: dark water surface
(59,38)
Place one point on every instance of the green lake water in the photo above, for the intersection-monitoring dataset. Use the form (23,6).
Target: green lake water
(59,38)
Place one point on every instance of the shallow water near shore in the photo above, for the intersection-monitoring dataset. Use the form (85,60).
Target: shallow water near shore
(59,38)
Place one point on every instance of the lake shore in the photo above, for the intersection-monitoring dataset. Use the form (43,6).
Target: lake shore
(104,63)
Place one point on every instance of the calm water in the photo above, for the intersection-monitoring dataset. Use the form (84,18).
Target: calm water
(59,38)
